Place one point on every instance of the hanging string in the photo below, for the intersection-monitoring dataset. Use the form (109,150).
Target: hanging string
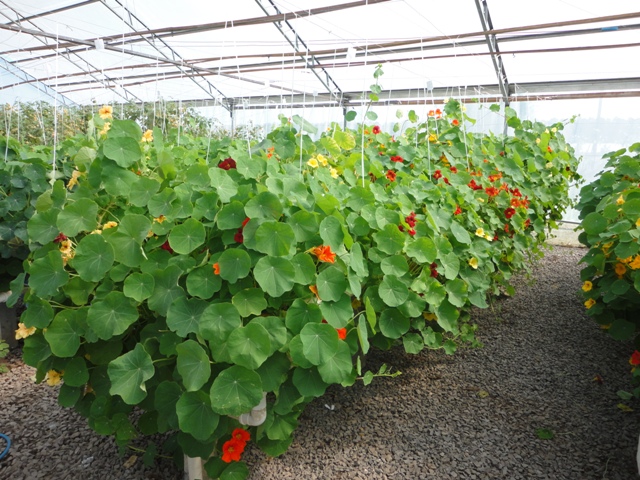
(7,128)
(464,128)
(55,115)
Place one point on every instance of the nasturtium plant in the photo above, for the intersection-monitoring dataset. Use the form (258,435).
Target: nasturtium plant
(610,213)
(194,282)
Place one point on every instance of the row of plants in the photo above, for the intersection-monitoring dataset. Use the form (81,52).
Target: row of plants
(186,282)
(610,223)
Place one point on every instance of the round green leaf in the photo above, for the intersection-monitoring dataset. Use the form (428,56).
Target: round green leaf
(423,250)
(142,191)
(393,324)
(234,263)
(139,286)
(249,301)
(339,313)
(135,226)
(125,151)
(460,233)
(393,291)
(309,382)
(160,203)
(37,314)
(225,186)
(458,292)
(390,240)
(198,175)
(236,471)
(166,290)
(338,367)
(201,282)
(331,232)
(395,265)
(166,398)
(64,332)
(264,205)
(305,268)
(183,316)
(319,342)
(78,290)
(273,372)
(36,349)
(47,274)
(447,316)
(112,315)
(76,373)
(304,224)
(231,216)
(43,227)
(193,365)
(235,391)
(185,238)
(276,329)
(594,223)
(274,239)
(217,321)
(94,258)
(413,343)
(128,374)
(80,216)
(249,346)
(274,275)
(332,284)
(195,415)
(300,313)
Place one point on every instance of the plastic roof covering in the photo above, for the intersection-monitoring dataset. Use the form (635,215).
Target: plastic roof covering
(93,51)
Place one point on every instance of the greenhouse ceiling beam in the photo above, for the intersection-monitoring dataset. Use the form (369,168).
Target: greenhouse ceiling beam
(51,12)
(209,89)
(68,58)
(293,38)
(27,78)
(138,36)
(496,58)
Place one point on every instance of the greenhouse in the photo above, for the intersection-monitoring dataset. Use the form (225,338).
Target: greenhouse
(293,239)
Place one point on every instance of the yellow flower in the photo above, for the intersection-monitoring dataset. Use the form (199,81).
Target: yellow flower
(537,141)
(606,247)
(620,200)
(589,303)
(554,129)
(625,260)
(548,165)
(474,263)
(97,231)
(313,162)
(480,232)
(109,225)
(105,129)
(73,181)
(24,332)
(638,223)
(429,316)
(106,112)
(433,138)
(322,160)
(546,131)
(587,286)
(635,265)
(53,378)
(333,172)
(620,269)
(147,136)
(487,237)
(160,219)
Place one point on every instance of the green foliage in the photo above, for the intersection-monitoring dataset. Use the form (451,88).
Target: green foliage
(610,212)
(193,280)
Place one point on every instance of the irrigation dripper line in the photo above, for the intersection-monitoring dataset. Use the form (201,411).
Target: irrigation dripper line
(6,449)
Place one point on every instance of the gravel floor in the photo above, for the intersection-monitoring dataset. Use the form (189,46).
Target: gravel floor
(538,363)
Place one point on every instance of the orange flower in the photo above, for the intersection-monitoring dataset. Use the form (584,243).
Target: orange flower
(620,269)
(391,176)
(314,290)
(241,435)
(216,268)
(324,254)
(342,333)
(232,450)
(106,112)
(455,122)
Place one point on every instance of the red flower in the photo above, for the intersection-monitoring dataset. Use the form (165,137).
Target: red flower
(438,113)
(458,210)
(397,159)
(245,221)
(238,237)
(509,212)
(391,176)
(635,358)
(166,246)
(401,228)
(60,238)
(455,122)
(411,219)
(506,228)
(515,192)
(241,435)
(216,268)
(324,253)
(527,223)
(473,185)
(437,174)
(515,202)
(446,180)
(227,164)
(342,333)
(549,149)
(232,450)
(411,232)
(376,130)
(453,169)
(495,237)
(492,191)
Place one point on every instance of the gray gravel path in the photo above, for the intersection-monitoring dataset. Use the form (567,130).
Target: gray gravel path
(540,356)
